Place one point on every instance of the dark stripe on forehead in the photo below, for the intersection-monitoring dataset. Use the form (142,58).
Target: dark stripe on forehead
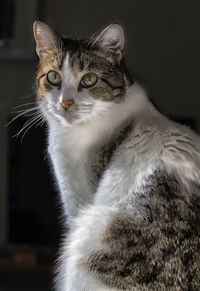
(81,62)
(61,60)
(77,58)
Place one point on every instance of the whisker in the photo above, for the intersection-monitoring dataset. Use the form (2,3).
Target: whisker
(43,120)
(84,112)
(28,96)
(21,114)
(25,110)
(30,127)
(25,104)
(27,123)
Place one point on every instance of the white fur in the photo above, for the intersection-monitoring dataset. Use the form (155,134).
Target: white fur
(155,143)
(85,237)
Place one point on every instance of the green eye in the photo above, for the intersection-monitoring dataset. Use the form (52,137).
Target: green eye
(54,78)
(89,80)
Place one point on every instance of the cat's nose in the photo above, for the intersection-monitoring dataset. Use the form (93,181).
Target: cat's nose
(66,103)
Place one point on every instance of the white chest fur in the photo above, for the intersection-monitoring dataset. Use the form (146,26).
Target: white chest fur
(69,153)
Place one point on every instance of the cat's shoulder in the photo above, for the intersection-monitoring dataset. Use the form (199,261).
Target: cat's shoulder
(163,143)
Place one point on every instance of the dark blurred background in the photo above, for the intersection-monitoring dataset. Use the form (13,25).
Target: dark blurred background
(163,49)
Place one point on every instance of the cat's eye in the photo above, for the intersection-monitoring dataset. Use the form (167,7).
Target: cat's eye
(54,78)
(89,80)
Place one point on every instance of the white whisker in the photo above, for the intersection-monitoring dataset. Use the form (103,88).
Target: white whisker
(28,96)
(21,114)
(27,123)
(40,117)
(25,104)
(25,110)
(84,111)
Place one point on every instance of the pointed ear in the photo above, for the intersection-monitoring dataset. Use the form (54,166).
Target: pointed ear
(46,38)
(111,40)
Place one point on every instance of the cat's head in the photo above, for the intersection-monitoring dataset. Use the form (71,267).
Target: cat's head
(79,79)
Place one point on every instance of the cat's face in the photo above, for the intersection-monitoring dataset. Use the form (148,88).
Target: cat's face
(78,80)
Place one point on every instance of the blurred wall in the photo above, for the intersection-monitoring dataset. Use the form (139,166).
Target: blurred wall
(163,47)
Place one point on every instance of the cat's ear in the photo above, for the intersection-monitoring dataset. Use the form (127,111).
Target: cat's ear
(111,40)
(46,38)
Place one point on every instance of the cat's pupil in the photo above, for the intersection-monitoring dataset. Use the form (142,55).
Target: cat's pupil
(55,77)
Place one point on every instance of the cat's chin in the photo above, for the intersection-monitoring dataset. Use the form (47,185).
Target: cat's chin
(67,118)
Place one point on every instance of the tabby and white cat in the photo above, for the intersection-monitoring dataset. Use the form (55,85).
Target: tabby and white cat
(129,178)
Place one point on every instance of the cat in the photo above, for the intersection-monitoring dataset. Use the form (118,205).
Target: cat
(129,177)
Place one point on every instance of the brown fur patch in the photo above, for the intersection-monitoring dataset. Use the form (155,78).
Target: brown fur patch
(160,252)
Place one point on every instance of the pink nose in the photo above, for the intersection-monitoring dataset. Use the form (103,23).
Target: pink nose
(66,103)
